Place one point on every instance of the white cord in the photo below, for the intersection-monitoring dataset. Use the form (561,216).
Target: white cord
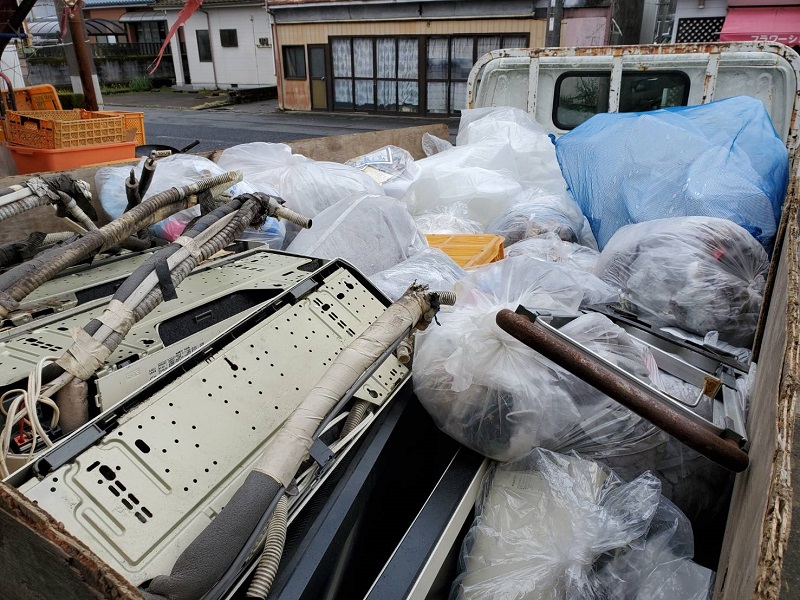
(23,406)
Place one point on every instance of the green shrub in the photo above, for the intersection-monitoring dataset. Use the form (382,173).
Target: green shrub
(140,84)
(70,100)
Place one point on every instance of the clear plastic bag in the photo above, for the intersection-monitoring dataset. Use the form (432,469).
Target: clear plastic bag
(172,171)
(256,158)
(700,274)
(483,177)
(553,526)
(451,219)
(391,167)
(722,159)
(532,145)
(535,211)
(372,233)
(501,398)
(271,233)
(431,266)
(550,247)
(433,145)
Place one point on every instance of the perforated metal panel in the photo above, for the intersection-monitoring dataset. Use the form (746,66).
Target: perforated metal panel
(162,338)
(144,492)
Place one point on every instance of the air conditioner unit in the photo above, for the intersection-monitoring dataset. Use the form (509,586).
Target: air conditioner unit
(264,43)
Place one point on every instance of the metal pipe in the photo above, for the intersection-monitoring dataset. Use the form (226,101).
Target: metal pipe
(598,374)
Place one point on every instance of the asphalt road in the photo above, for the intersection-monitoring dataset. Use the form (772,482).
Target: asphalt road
(228,126)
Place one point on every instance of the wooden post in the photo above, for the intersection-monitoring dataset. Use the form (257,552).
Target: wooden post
(555,12)
(77,30)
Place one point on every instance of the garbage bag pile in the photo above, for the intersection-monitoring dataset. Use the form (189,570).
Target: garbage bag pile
(171,171)
(430,266)
(549,247)
(391,167)
(452,219)
(551,526)
(721,159)
(700,274)
(372,232)
(535,212)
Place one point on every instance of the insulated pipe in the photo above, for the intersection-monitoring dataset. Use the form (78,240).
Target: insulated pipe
(132,192)
(20,281)
(148,169)
(26,203)
(212,553)
(14,193)
(533,334)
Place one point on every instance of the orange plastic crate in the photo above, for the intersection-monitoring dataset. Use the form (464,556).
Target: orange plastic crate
(133,120)
(58,129)
(469,250)
(37,160)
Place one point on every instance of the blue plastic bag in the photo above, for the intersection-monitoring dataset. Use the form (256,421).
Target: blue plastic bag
(721,159)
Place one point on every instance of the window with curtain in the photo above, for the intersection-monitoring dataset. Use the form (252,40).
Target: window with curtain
(294,62)
(342,58)
(364,72)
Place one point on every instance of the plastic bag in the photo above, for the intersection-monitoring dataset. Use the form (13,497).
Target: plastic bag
(271,233)
(551,248)
(372,233)
(256,158)
(391,167)
(433,145)
(172,171)
(431,266)
(483,177)
(535,211)
(697,273)
(499,397)
(451,219)
(532,145)
(721,159)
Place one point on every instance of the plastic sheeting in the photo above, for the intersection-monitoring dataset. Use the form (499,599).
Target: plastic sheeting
(532,145)
(373,233)
(451,219)
(484,177)
(433,145)
(553,526)
(550,247)
(721,159)
(499,397)
(391,167)
(535,211)
(431,266)
(256,159)
(172,171)
(700,274)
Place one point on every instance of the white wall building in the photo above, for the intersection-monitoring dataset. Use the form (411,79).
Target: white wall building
(225,44)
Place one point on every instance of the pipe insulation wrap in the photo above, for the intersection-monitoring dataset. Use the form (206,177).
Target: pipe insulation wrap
(290,445)
(18,207)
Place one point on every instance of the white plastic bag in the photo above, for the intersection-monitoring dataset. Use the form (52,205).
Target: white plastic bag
(431,266)
(391,167)
(551,248)
(535,211)
(501,398)
(451,219)
(553,526)
(533,148)
(433,145)
(172,171)
(256,158)
(483,177)
(372,233)
(700,274)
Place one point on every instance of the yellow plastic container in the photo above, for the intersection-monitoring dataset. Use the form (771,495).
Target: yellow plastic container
(469,250)
(132,120)
(59,129)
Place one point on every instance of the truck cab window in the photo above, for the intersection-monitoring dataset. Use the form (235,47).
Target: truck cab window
(580,95)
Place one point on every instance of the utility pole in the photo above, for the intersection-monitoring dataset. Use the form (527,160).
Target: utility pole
(76,29)
(555,12)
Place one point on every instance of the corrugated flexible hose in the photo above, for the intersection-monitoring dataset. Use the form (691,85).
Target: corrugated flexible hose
(273,550)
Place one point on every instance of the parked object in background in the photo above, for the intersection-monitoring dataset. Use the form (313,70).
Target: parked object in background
(700,274)
(723,159)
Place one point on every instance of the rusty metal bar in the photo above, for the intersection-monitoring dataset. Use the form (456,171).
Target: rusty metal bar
(697,433)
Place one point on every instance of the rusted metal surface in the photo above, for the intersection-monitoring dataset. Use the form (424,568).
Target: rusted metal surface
(724,452)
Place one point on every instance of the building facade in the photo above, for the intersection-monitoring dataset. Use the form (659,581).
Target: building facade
(225,44)
(414,57)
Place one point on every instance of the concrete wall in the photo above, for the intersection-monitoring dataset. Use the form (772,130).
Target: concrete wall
(245,66)
(109,70)
(687,9)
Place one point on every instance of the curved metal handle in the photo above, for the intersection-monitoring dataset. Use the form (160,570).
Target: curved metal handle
(670,419)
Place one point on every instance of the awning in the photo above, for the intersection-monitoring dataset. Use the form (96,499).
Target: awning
(138,17)
(763,24)
(52,29)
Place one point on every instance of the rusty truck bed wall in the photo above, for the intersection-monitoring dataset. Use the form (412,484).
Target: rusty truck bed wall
(335,148)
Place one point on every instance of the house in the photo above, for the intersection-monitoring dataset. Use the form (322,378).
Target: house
(225,44)
(414,57)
